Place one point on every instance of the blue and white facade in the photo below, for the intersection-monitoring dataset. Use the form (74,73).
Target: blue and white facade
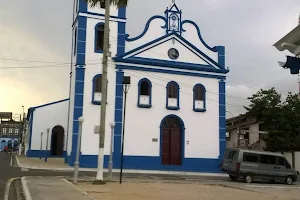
(175,118)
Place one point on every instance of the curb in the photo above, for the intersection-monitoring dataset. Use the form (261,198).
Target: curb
(128,171)
(17,159)
(7,187)
(25,189)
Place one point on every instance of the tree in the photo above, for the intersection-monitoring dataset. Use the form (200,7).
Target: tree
(108,3)
(281,119)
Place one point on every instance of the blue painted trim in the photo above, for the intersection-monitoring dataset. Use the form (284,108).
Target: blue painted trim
(103,15)
(176,8)
(182,130)
(96,36)
(222,118)
(194,99)
(79,74)
(150,93)
(94,87)
(49,104)
(183,41)
(83,6)
(166,71)
(38,153)
(147,27)
(122,13)
(214,49)
(75,41)
(171,64)
(154,163)
(178,97)
(168,14)
(118,118)
(221,56)
(30,130)
(121,38)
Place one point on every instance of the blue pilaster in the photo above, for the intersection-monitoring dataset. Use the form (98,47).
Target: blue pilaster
(118,118)
(222,118)
(221,56)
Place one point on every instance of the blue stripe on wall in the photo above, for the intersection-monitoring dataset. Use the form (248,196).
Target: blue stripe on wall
(222,118)
(118,118)
(79,79)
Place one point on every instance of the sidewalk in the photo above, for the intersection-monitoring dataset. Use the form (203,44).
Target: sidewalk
(57,164)
(45,188)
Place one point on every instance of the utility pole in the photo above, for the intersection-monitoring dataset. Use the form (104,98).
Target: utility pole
(99,176)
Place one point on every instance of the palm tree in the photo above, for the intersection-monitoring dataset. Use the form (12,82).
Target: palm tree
(108,3)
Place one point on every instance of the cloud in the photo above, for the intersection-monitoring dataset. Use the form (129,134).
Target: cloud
(41,30)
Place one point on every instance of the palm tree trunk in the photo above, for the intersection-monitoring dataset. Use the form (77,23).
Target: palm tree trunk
(99,176)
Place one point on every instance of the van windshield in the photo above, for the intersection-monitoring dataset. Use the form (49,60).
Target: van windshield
(230,154)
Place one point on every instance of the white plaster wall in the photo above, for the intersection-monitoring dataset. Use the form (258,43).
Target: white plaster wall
(94,60)
(48,117)
(91,112)
(191,35)
(155,31)
(202,129)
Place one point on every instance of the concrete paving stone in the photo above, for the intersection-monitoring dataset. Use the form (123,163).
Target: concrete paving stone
(50,188)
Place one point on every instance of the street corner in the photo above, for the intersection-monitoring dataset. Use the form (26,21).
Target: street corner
(14,190)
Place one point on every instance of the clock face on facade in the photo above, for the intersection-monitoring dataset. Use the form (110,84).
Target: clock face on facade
(173,53)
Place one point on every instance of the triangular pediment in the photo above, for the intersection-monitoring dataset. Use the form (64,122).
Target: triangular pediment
(159,51)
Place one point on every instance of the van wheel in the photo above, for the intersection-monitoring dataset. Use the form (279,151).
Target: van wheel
(234,178)
(289,180)
(248,178)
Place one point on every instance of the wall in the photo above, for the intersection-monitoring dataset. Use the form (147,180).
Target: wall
(48,117)
(202,129)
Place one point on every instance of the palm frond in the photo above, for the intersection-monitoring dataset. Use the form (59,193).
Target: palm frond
(118,3)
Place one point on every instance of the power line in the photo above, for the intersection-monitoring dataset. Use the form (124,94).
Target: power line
(180,91)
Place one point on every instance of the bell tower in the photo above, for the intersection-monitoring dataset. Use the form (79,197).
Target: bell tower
(173,16)
(86,65)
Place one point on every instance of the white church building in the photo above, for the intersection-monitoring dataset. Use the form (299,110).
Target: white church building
(175,110)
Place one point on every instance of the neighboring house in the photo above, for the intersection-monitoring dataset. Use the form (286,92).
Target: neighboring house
(243,132)
(175,118)
(10,132)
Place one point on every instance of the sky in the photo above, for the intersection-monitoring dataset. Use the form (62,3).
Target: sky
(39,30)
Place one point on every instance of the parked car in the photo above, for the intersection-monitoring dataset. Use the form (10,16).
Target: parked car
(252,165)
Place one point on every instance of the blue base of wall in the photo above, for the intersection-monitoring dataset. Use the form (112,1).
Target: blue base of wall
(153,163)
(38,154)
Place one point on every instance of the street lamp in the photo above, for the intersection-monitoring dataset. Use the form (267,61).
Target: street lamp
(230,113)
(41,145)
(126,83)
(77,163)
(46,155)
(110,162)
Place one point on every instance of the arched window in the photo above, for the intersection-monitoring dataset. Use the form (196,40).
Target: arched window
(199,98)
(172,96)
(99,37)
(144,93)
(97,89)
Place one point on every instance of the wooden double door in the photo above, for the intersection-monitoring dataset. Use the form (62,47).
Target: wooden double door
(171,142)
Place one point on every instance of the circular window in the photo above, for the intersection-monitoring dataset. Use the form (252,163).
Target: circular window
(173,53)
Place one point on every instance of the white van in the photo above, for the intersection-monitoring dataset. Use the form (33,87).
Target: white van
(255,165)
